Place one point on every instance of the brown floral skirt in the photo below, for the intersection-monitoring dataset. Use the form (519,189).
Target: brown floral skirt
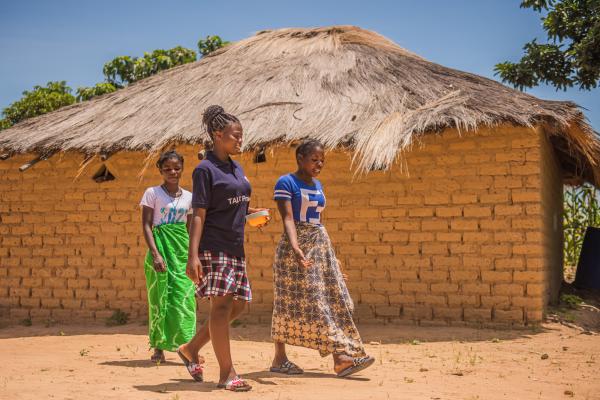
(312,306)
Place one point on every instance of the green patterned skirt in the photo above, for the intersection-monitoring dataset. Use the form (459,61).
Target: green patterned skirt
(312,307)
(171,295)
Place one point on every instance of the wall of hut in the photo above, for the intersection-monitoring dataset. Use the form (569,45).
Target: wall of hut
(467,230)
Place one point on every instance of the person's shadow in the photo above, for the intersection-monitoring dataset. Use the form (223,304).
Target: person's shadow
(261,377)
(139,363)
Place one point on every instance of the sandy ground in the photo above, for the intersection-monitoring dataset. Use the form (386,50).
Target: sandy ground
(97,362)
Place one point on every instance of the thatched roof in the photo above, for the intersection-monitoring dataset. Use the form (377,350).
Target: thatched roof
(343,85)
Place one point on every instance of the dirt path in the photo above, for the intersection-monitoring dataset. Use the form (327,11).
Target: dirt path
(94,362)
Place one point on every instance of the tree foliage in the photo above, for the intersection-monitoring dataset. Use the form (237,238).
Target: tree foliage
(40,100)
(210,44)
(86,93)
(119,72)
(572,56)
(125,70)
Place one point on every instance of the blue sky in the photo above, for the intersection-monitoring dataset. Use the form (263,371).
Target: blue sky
(70,40)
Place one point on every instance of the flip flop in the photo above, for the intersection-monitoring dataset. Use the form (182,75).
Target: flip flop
(158,359)
(194,369)
(288,368)
(236,384)
(358,364)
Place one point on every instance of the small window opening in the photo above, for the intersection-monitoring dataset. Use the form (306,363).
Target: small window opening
(260,156)
(103,175)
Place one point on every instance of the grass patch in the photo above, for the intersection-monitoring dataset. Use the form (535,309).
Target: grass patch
(117,318)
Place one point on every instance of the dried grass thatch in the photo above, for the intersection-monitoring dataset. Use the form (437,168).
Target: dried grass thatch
(343,85)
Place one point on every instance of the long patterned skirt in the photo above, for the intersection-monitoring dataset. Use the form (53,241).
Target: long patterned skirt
(312,306)
(171,295)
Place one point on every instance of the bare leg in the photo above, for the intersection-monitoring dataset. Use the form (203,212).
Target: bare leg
(280,355)
(218,325)
(191,349)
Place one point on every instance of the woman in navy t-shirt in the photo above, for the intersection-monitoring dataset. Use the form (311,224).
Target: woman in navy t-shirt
(216,262)
(312,306)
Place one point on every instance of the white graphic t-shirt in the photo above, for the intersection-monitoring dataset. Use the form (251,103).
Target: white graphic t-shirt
(167,210)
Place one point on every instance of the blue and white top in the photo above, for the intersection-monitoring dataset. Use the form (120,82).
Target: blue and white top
(308,201)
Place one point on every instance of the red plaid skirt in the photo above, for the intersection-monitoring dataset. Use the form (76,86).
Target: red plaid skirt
(223,274)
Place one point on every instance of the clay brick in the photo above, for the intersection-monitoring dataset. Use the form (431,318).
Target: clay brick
(414,287)
(403,275)
(444,288)
(351,250)
(496,276)
(436,199)
(506,210)
(393,213)
(396,237)
(434,248)
(528,276)
(455,314)
(497,249)
(420,212)
(508,263)
(448,211)
(367,237)
(459,248)
(50,303)
(509,289)
(535,289)
(407,225)
(464,198)
(431,300)
(510,236)
(475,288)
(402,298)
(463,225)
(70,303)
(433,276)
(463,276)
(527,223)
(372,298)
(463,300)
(387,311)
(434,225)
(508,315)
(381,226)
(448,237)
(528,249)
(418,237)
(524,197)
(494,198)
(530,303)
(477,314)
(406,249)
(497,302)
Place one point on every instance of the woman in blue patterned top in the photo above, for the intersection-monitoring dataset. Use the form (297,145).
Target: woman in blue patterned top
(312,306)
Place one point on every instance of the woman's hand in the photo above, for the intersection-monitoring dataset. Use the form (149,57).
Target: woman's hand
(302,260)
(193,269)
(158,263)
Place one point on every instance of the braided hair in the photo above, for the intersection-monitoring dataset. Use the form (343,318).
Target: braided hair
(168,155)
(307,147)
(215,119)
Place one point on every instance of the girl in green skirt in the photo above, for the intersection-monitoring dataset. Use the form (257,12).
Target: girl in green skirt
(165,220)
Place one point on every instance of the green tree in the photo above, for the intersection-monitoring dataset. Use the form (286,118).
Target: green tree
(210,44)
(124,70)
(573,55)
(86,93)
(40,100)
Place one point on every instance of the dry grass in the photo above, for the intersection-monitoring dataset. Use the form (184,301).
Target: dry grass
(343,85)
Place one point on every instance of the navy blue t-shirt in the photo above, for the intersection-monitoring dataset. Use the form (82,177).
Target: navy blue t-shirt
(224,191)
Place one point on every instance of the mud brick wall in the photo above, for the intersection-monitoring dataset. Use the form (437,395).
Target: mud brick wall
(462,232)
